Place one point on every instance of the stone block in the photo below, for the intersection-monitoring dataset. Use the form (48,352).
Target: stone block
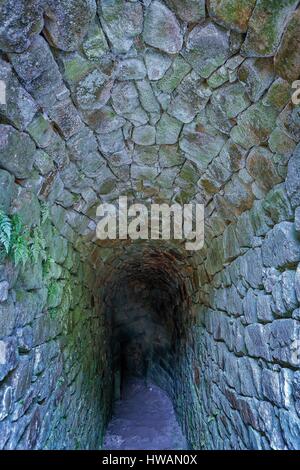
(172,78)
(21,378)
(277,205)
(232,14)
(250,377)
(157,63)
(93,91)
(291,429)
(67,22)
(284,341)
(95,44)
(4,286)
(261,167)
(144,135)
(287,59)
(266,27)
(271,387)
(227,103)
(257,75)
(7,188)
(168,130)
(281,246)
(191,11)
(264,309)
(252,267)
(6,401)
(21,21)
(293,178)
(131,69)
(66,117)
(207,48)
(20,108)
(8,356)
(250,307)
(16,151)
(161,28)
(257,339)
(122,21)
(269,424)
(254,125)
(147,97)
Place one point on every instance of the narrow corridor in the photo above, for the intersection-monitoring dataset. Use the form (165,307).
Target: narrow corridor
(164,104)
(144,419)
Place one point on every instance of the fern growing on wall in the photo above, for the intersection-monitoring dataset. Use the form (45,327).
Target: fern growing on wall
(38,245)
(5,231)
(18,242)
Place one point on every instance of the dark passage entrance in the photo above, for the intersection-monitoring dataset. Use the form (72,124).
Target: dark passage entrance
(148,305)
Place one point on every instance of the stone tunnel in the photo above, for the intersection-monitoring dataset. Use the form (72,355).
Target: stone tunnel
(186,101)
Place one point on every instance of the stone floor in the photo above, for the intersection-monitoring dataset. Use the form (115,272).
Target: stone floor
(144,420)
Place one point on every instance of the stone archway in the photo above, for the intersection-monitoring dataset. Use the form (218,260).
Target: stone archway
(162,101)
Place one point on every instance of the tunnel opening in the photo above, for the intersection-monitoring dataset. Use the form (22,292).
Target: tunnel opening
(149,306)
(160,101)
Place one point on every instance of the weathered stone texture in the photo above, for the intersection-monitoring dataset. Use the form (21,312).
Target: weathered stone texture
(161,28)
(287,59)
(207,48)
(67,22)
(20,20)
(234,14)
(266,27)
(162,101)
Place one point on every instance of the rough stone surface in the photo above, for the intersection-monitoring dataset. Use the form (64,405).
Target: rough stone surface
(234,14)
(122,21)
(157,64)
(21,20)
(207,48)
(67,22)
(293,176)
(287,59)
(257,75)
(262,169)
(163,102)
(281,246)
(191,11)
(168,130)
(16,151)
(144,135)
(266,27)
(161,28)
(254,125)
(226,104)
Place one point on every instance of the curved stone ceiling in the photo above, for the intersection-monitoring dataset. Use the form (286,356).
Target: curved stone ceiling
(146,99)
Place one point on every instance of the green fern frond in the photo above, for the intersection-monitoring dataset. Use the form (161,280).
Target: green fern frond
(45,212)
(38,245)
(17,226)
(5,231)
(19,241)
(20,252)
